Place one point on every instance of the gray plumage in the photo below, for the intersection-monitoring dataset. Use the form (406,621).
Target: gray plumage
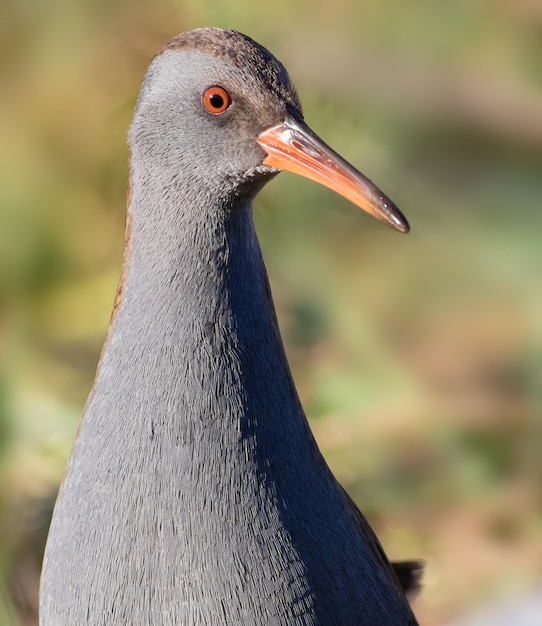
(195,493)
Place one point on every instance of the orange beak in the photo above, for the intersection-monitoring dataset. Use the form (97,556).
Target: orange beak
(292,146)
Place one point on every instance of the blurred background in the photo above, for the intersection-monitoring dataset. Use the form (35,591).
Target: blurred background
(418,358)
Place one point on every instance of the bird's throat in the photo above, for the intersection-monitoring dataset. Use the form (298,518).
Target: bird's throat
(194,352)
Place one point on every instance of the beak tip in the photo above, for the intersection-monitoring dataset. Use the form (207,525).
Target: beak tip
(403,227)
(395,218)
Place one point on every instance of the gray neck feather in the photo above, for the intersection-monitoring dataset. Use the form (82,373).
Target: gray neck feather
(194,343)
(195,494)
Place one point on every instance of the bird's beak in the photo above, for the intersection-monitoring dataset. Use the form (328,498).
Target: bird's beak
(294,147)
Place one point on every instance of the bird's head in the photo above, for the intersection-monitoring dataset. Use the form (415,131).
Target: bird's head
(218,113)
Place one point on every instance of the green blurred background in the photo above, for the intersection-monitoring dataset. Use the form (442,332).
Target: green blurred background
(418,358)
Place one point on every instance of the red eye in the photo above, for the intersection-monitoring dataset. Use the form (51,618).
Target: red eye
(216,100)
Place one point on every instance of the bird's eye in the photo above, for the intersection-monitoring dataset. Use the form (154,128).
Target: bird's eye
(216,100)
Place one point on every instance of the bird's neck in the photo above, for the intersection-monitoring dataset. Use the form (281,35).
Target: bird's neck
(194,482)
(194,345)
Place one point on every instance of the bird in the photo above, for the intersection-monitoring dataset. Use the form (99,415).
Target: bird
(195,493)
